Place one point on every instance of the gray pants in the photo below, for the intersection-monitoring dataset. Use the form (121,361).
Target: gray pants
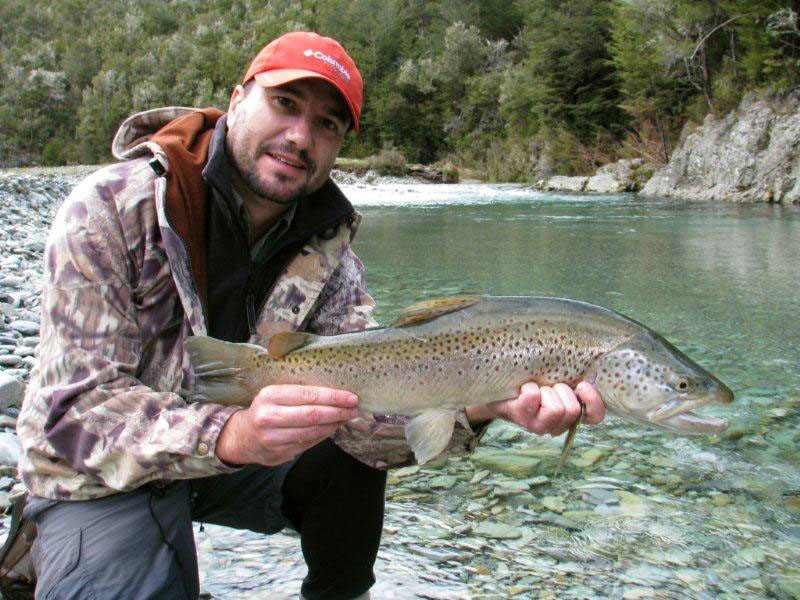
(140,544)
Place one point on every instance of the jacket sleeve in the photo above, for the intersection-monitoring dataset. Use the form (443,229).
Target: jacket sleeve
(87,409)
(378,441)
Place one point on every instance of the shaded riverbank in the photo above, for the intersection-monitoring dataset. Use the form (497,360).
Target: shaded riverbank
(749,155)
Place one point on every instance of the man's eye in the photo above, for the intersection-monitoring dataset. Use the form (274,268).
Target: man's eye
(330,125)
(283,101)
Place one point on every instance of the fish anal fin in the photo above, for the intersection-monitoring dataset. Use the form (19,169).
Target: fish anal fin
(282,343)
(429,433)
(430,309)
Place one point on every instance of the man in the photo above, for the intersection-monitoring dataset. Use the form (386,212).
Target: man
(226,225)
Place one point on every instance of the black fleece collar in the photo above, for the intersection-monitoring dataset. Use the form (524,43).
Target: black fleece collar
(317,212)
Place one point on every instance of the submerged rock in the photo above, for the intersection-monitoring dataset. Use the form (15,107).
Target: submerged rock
(506,461)
(495,530)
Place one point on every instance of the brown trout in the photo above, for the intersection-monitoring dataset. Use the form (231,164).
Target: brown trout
(442,355)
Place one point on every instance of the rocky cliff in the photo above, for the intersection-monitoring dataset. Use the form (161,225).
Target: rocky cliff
(750,155)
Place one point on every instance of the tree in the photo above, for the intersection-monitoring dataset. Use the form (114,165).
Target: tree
(566,77)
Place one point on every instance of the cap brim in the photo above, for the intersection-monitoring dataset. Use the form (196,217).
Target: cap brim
(278,77)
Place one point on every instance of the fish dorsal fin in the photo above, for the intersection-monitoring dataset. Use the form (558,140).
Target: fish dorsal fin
(430,309)
(282,343)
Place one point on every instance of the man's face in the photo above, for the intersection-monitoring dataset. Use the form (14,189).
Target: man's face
(283,140)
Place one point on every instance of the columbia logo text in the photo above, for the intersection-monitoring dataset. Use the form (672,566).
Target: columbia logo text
(331,61)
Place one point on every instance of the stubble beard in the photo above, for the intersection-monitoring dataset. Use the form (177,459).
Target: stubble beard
(276,192)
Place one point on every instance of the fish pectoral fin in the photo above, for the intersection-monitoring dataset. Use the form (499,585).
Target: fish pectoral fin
(219,369)
(430,309)
(429,433)
(281,344)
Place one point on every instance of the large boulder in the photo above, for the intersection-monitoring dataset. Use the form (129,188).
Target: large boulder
(562,183)
(751,154)
(626,175)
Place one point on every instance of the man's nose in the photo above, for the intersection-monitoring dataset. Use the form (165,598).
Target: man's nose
(299,133)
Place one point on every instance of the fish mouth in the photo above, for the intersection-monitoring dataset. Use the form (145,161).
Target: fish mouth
(677,414)
(690,422)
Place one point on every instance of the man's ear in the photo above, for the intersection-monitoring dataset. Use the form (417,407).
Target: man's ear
(236,97)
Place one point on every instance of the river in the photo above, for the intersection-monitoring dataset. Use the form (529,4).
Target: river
(636,513)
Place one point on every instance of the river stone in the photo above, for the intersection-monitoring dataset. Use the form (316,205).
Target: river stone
(508,462)
(11,281)
(721,500)
(25,327)
(9,449)
(405,471)
(793,530)
(442,482)
(600,496)
(663,461)
(754,584)
(631,503)
(752,554)
(637,593)
(788,583)
(513,484)
(554,503)
(10,360)
(11,391)
(792,503)
(495,530)
(588,458)
(479,476)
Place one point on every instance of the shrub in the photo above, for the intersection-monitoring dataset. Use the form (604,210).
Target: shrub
(450,173)
(58,151)
(389,161)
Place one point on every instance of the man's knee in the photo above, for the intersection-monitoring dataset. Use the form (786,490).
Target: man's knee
(327,471)
(134,545)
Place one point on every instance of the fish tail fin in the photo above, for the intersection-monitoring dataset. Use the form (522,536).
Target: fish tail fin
(429,433)
(219,369)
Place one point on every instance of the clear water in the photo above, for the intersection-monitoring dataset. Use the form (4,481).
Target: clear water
(675,516)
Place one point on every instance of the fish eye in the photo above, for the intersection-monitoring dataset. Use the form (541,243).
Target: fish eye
(682,385)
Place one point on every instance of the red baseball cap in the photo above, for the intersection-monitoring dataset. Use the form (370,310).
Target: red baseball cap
(308,55)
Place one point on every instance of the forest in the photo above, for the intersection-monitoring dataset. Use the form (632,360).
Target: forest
(511,88)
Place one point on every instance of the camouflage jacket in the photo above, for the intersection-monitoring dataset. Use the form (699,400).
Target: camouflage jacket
(108,407)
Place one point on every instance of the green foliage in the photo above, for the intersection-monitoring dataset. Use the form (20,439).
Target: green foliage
(768,36)
(512,89)
(566,78)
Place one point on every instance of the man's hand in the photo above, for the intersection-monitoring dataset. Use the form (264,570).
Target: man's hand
(283,421)
(544,409)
